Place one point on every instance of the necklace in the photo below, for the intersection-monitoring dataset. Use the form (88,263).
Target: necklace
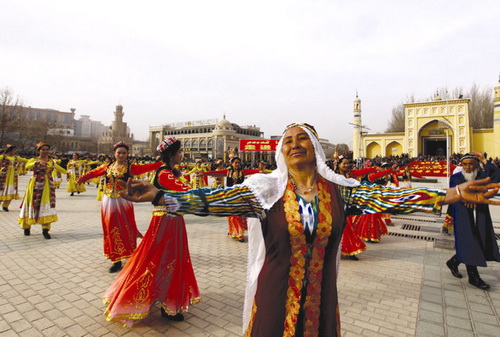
(296,189)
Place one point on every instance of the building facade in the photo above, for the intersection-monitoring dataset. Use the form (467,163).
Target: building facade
(208,139)
(439,127)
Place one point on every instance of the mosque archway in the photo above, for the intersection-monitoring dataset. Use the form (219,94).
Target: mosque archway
(434,138)
(394,149)
(373,149)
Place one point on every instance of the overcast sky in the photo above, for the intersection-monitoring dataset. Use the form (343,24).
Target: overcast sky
(265,63)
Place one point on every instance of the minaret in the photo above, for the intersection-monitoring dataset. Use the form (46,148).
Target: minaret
(496,119)
(356,133)
(117,126)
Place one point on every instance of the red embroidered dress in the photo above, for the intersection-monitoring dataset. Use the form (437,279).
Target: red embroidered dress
(117,214)
(351,243)
(159,270)
(236,225)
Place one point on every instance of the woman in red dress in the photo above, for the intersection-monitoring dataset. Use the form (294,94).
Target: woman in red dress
(371,227)
(351,244)
(117,214)
(236,225)
(160,269)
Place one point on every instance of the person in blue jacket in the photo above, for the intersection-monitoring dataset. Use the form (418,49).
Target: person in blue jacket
(475,241)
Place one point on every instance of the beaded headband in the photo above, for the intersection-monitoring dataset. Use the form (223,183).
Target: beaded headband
(120,144)
(39,145)
(305,125)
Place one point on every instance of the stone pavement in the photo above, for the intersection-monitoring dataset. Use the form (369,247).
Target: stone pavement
(399,287)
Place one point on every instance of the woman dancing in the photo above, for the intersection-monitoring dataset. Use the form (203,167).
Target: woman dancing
(292,273)
(75,168)
(39,203)
(160,269)
(9,163)
(117,214)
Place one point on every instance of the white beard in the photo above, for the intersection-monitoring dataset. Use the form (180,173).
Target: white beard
(470,176)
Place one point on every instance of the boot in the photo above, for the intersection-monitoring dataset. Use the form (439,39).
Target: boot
(177,317)
(453,265)
(353,257)
(46,234)
(474,278)
(27,232)
(72,194)
(117,266)
(5,209)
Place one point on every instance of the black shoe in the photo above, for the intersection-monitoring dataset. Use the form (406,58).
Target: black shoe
(117,266)
(46,234)
(479,283)
(27,232)
(353,257)
(72,194)
(177,317)
(241,240)
(453,268)
(5,209)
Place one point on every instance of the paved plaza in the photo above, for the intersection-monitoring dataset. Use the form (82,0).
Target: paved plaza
(399,287)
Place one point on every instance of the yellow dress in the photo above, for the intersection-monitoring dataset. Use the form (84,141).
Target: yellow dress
(39,200)
(75,168)
(56,175)
(8,177)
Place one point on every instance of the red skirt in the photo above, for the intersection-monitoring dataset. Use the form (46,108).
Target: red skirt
(159,270)
(119,228)
(370,227)
(236,226)
(351,243)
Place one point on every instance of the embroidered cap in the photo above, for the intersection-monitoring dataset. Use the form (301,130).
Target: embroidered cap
(165,144)
(469,156)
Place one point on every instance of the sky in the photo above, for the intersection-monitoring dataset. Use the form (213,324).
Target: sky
(264,63)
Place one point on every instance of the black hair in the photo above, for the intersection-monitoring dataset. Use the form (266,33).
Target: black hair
(167,154)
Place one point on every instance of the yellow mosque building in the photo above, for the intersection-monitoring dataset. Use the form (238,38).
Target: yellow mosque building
(439,127)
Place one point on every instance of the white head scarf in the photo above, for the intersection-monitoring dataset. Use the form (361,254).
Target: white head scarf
(269,188)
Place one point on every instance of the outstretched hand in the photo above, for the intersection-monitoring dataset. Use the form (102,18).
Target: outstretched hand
(477,191)
(138,190)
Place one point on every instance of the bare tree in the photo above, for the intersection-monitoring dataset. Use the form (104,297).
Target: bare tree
(10,116)
(480,107)
(341,148)
(397,122)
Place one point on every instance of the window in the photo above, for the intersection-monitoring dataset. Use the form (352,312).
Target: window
(203,145)
(194,145)
(210,145)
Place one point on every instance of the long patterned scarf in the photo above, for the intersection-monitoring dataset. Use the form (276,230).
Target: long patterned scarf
(299,269)
(40,171)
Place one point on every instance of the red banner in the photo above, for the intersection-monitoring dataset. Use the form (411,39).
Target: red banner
(258,144)
(431,168)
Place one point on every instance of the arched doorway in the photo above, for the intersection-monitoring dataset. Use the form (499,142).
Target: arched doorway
(373,149)
(432,139)
(393,149)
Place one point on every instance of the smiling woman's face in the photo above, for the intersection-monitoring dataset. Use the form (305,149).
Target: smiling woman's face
(298,149)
